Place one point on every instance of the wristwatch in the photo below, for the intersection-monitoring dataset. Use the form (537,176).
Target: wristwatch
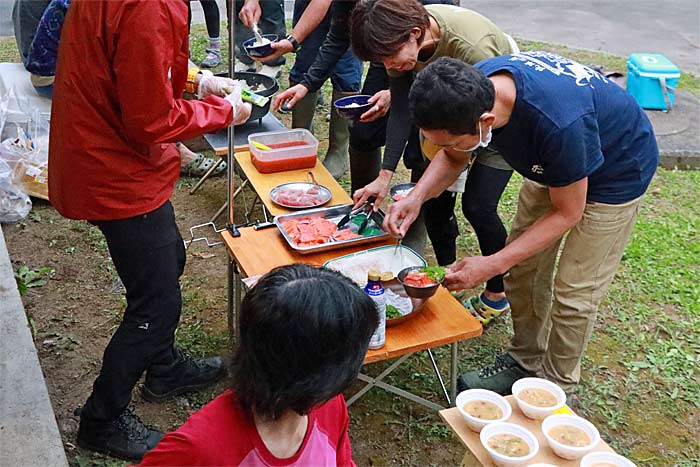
(294,43)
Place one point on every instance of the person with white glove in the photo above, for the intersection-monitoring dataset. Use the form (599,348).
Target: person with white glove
(210,85)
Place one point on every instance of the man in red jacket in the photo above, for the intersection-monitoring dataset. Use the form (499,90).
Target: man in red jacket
(117,112)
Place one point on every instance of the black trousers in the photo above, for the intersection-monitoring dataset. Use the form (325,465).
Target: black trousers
(482,192)
(149,256)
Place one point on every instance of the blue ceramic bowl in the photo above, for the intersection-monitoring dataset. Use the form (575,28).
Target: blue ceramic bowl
(352,107)
(259,51)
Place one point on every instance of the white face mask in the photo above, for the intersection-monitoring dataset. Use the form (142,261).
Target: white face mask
(483,142)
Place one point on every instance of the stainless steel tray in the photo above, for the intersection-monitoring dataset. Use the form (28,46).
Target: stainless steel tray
(332,213)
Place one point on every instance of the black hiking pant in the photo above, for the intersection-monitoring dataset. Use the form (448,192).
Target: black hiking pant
(149,256)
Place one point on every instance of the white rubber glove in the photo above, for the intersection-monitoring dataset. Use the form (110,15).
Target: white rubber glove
(241,110)
(210,85)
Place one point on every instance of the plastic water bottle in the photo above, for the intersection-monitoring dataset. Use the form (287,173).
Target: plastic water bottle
(375,290)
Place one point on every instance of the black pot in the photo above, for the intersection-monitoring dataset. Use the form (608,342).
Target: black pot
(253,80)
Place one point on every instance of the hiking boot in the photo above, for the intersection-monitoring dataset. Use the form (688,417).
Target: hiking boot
(126,437)
(212,60)
(498,377)
(184,375)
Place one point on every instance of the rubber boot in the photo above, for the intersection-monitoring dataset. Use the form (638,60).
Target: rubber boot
(336,160)
(303,112)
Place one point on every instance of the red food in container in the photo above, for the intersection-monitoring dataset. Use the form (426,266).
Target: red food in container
(289,150)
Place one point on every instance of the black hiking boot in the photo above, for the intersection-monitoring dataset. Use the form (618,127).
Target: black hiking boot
(184,375)
(126,437)
(498,377)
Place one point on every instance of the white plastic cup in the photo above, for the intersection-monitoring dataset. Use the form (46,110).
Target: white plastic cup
(512,429)
(593,458)
(476,424)
(532,411)
(563,450)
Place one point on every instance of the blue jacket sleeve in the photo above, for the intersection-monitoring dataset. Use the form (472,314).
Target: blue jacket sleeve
(41,59)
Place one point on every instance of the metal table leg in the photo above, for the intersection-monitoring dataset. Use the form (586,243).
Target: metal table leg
(373,381)
(453,373)
(439,376)
(231,312)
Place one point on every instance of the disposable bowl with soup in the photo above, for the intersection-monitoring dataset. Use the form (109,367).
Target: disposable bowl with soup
(480,407)
(414,291)
(605,459)
(570,436)
(538,398)
(260,50)
(508,444)
(352,107)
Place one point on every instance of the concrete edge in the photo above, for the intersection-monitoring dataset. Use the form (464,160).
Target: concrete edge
(679,159)
(29,434)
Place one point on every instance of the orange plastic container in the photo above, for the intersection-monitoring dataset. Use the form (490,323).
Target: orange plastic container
(289,150)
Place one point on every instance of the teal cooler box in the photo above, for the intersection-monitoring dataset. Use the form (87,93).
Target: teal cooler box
(652,80)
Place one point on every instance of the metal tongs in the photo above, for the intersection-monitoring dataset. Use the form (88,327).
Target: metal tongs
(363,207)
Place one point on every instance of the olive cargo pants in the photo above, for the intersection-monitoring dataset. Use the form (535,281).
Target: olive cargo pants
(554,313)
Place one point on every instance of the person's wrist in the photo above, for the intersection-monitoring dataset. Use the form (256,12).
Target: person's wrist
(293,42)
(498,264)
(385,175)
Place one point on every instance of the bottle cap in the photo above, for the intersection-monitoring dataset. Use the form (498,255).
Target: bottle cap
(387,276)
(374,275)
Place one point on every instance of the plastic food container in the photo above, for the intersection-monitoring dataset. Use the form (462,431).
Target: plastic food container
(476,424)
(512,429)
(563,450)
(596,458)
(532,411)
(289,150)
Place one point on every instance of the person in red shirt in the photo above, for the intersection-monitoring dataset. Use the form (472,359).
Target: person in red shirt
(304,335)
(117,112)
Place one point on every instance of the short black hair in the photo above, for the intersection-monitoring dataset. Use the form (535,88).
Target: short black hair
(450,95)
(304,333)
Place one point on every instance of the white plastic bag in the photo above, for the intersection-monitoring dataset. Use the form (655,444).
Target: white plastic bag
(14,203)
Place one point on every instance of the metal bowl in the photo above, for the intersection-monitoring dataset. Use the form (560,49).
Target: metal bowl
(259,51)
(417,303)
(400,187)
(416,292)
(254,80)
(352,113)
(324,192)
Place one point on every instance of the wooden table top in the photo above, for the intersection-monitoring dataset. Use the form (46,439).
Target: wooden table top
(263,183)
(471,441)
(443,320)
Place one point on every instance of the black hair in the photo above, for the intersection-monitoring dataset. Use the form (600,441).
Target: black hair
(379,28)
(304,333)
(450,95)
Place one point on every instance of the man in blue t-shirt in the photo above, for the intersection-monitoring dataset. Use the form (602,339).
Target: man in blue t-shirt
(587,152)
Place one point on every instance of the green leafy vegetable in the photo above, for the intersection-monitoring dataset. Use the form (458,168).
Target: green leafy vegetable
(436,273)
(392,312)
